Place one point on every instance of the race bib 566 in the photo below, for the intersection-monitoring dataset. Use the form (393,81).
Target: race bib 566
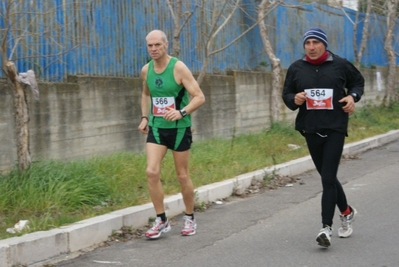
(159,105)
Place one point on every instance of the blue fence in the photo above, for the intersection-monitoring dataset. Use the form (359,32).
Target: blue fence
(107,37)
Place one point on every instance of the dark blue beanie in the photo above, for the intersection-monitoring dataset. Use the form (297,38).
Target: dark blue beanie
(315,33)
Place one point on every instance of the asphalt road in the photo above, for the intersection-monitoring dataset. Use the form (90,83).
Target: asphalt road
(279,227)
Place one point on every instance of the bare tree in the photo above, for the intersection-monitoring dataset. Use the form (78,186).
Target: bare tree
(365,33)
(358,50)
(21,116)
(390,95)
(222,11)
(176,9)
(22,33)
(219,20)
(264,7)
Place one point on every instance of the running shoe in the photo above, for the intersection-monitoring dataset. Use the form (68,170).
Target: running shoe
(324,237)
(346,224)
(189,226)
(158,228)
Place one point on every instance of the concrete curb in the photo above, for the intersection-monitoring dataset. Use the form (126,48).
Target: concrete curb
(42,246)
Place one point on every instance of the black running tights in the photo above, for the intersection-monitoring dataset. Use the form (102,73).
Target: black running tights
(326,151)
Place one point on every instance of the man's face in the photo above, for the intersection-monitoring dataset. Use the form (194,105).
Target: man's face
(156,46)
(314,48)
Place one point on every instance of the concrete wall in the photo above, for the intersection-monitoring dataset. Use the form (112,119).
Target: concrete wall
(7,141)
(90,116)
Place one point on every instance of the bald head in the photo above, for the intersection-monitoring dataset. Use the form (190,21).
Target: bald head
(157,45)
(157,34)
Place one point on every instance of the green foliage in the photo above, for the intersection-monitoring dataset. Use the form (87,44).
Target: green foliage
(264,64)
(50,194)
(372,120)
(199,205)
(55,193)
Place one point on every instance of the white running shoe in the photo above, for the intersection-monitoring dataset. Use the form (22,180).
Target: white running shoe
(324,237)
(189,226)
(158,228)
(346,224)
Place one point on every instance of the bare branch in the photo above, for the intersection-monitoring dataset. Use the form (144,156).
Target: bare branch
(52,55)
(187,19)
(245,32)
(178,27)
(343,11)
(4,41)
(171,9)
(214,31)
(217,30)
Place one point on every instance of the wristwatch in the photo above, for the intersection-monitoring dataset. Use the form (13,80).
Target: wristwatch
(183,112)
(355,97)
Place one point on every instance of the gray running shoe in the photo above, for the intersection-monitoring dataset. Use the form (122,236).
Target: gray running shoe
(346,224)
(324,237)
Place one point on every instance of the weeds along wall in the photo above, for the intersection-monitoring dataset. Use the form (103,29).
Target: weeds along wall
(94,116)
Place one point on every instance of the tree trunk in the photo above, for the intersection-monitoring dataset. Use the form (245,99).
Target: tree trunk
(177,16)
(21,118)
(176,10)
(365,32)
(275,62)
(391,20)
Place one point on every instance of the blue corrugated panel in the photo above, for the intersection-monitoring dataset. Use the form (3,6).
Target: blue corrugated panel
(107,37)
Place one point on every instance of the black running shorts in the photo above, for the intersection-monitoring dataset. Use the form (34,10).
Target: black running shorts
(177,139)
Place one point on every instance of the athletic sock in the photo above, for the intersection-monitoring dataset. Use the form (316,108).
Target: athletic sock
(190,215)
(162,216)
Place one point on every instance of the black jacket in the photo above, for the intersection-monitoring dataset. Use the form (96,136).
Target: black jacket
(336,73)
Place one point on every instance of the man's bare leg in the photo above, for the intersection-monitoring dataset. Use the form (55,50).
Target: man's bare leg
(187,187)
(187,190)
(155,155)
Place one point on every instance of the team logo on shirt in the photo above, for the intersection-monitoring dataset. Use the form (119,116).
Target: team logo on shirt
(158,82)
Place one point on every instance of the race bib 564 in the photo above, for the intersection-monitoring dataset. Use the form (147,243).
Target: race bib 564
(319,98)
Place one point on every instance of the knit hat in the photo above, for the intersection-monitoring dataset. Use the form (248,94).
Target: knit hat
(315,33)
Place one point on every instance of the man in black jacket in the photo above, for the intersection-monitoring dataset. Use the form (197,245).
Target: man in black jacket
(325,88)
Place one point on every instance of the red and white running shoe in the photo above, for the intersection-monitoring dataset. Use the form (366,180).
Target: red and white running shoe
(158,228)
(189,226)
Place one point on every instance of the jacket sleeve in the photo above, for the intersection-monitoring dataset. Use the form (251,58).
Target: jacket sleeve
(354,80)
(289,90)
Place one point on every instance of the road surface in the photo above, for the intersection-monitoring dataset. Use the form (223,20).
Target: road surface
(279,227)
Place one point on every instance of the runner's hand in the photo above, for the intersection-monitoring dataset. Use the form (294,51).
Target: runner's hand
(172,114)
(300,98)
(350,104)
(143,126)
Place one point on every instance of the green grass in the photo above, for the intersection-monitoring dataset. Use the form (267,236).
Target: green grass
(55,193)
